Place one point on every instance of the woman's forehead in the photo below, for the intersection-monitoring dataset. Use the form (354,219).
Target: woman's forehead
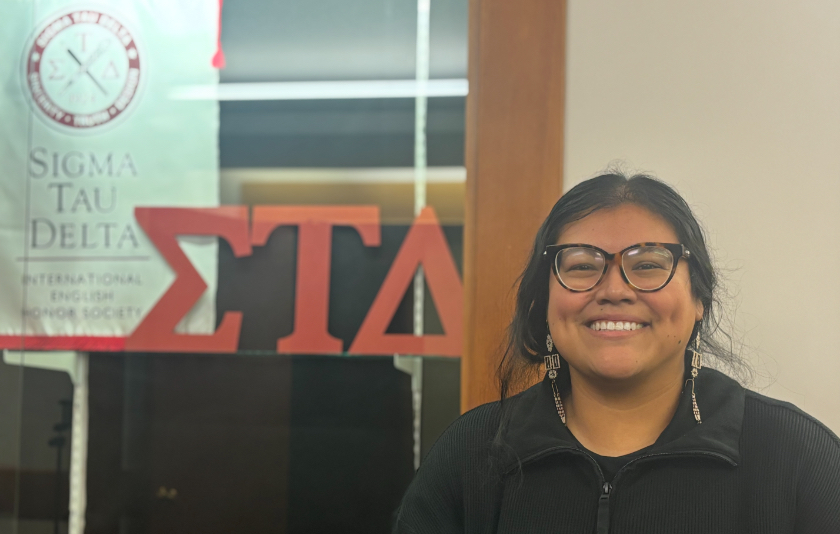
(613,229)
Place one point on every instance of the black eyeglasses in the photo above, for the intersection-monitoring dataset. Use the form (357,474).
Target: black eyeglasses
(644,266)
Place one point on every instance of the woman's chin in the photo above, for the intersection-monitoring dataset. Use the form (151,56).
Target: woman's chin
(617,375)
(616,369)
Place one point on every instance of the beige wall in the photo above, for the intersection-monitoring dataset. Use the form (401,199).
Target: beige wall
(737,104)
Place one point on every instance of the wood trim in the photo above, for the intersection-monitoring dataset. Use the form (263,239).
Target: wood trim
(514,159)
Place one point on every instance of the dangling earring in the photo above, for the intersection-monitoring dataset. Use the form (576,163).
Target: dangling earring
(696,365)
(552,364)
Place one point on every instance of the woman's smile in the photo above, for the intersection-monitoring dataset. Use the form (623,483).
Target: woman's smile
(616,326)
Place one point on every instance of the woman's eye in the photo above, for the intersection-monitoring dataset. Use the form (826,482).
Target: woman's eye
(647,266)
(581,267)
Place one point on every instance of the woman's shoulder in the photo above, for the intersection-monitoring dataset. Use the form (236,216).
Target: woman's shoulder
(784,441)
(478,428)
(783,423)
(473,430)
(456,469)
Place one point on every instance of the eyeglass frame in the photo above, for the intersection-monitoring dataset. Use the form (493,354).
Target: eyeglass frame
(677,250)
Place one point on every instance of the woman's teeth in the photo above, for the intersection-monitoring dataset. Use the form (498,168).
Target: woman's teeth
(615,325)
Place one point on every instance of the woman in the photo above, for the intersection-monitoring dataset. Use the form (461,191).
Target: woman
(628,432)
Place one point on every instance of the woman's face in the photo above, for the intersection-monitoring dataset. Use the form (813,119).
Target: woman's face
(666,316)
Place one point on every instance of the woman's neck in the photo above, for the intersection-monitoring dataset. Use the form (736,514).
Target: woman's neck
(611,420)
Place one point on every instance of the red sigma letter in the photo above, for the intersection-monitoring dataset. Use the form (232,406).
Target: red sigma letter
(156,331)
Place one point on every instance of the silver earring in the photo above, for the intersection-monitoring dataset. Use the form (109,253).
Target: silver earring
(696,365)
(552,364)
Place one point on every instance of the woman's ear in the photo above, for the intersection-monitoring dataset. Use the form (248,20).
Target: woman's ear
(698,310)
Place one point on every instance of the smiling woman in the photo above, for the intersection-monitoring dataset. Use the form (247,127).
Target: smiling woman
(627,432)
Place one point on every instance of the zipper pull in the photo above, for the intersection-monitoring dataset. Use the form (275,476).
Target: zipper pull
(603,526)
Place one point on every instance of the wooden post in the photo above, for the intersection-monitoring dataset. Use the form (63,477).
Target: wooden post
(514,159)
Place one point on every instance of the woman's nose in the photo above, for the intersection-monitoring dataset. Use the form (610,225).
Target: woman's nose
(613,288)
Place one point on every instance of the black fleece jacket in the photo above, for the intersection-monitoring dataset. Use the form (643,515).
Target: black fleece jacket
(755,465)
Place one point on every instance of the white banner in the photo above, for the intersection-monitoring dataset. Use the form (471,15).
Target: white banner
(87,132)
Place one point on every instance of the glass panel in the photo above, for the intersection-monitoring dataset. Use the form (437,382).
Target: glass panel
(317,105)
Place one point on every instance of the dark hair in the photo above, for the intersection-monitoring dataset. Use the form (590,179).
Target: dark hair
(527,332)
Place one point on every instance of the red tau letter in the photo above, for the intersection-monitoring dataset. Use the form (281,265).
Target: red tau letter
(156,331)
(424,245)
(312,288)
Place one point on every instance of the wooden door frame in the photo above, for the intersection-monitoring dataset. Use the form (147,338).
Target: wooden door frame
(514,160)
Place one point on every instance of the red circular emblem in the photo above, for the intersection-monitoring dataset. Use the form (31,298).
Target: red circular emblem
(83,69)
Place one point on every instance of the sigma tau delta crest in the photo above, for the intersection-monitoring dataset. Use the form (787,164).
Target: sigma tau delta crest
(82,69)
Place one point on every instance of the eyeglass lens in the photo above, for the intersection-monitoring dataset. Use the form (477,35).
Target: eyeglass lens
(646,267)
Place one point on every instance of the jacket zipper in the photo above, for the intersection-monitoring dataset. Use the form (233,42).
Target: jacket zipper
(603,526)
(603,521)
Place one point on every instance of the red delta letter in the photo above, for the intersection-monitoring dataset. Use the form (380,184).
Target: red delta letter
(314,251)
(156,331)
(424,245)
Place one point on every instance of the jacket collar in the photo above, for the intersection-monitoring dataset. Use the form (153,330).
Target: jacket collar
(534,429)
